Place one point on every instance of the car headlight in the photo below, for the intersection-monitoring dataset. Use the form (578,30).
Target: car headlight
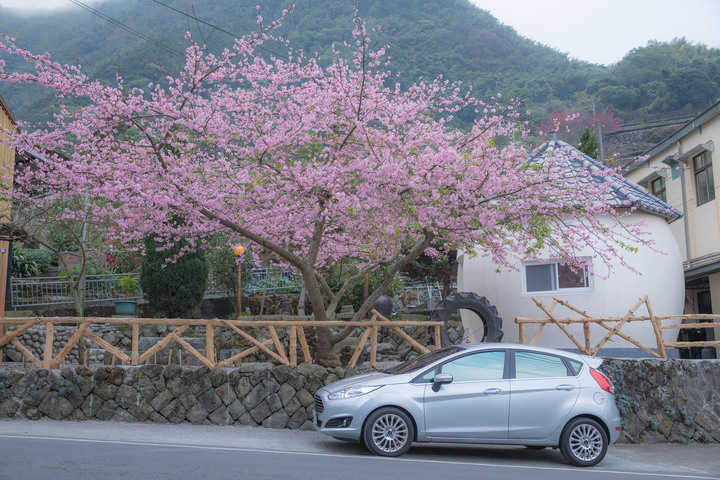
(351,392)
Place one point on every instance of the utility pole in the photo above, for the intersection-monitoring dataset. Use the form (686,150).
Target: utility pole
(599,138)
(598,135)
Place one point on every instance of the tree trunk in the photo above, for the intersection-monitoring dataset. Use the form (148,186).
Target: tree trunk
(77,289)
(324,347)
(446,286)
(301,300)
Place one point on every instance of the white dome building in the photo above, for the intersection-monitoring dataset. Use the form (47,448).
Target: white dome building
(593,291)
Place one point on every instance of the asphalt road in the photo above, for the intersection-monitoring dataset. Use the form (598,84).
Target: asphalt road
(107,450)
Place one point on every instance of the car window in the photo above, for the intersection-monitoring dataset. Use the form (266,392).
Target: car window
(539,365)
(575,366)
(477,366)
(423,360)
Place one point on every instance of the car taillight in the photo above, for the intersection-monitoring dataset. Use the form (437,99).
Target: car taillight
(603,381)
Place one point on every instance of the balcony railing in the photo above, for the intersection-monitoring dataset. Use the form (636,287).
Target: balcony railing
(272,280)
(37,291)
(40,291)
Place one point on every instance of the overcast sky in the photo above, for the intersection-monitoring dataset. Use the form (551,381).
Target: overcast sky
(598,31)
(603,31)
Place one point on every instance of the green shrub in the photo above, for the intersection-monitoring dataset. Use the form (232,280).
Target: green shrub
(177,286)
(90,270)
(22,266)
(43,257)
(128,286)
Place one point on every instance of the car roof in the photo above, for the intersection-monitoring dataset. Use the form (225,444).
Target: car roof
(516,346)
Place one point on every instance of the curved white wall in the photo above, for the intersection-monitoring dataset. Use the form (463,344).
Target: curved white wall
(661,278)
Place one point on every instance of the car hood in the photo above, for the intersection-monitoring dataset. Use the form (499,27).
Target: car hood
(368,379)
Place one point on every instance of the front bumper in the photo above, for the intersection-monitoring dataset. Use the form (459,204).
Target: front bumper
(341,418)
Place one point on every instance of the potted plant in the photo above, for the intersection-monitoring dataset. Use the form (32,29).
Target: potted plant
(128,286)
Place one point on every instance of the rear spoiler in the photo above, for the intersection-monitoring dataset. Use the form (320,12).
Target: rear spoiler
(594,362)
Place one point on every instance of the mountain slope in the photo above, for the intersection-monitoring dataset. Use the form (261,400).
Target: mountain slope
(427,38)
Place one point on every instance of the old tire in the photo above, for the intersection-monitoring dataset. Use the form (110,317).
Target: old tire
(583,442)
(487,312)
(389,432)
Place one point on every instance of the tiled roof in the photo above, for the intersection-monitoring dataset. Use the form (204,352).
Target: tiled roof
(624,193)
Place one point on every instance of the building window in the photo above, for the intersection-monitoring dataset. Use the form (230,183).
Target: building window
(657,188)
(556,277)
(704,183)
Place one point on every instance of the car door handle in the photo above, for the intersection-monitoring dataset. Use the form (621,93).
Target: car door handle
(565,387)
(493,391)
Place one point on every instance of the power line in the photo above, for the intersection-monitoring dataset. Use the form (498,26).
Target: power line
(125,27)
(197,19)
(233,35)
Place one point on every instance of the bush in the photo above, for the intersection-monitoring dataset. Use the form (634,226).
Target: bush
(89,270)
(23,267)
(32,262)
(173,287)
(128,286)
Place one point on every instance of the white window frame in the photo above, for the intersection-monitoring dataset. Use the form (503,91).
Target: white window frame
(556,281)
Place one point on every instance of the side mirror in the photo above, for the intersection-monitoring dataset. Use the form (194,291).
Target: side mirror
(443,378)
(440,379)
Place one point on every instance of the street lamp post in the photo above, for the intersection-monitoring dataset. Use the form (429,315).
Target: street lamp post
(238,251)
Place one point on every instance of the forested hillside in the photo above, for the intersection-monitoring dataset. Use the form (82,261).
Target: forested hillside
(427,38)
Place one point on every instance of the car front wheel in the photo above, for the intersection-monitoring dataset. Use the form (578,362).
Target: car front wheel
(388,432)
(583,442)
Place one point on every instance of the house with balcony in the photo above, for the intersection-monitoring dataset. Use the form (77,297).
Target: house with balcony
(682,170)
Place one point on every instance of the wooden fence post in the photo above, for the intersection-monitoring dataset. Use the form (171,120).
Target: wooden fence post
(135,343)
(658,331)
(210,342)
(49,339)
(293,346)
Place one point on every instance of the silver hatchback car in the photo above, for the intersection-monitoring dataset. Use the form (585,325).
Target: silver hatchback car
(496,393)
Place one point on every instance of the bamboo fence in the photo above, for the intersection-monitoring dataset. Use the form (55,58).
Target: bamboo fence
(289,357)
(586,347)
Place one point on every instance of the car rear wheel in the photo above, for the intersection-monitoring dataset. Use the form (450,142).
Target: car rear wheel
(583,442)
(388,432)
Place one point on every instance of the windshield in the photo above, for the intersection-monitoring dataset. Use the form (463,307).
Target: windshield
(422,361)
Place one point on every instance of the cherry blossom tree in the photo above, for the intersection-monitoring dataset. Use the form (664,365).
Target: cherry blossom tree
(310,164)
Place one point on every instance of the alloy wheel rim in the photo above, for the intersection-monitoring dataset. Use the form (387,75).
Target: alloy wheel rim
(390,433)
(586,442)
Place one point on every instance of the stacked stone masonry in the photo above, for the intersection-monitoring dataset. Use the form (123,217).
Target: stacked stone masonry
(254,395)
(661,401)
(667,400)
(34,340)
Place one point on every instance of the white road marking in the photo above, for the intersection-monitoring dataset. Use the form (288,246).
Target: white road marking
(366,457)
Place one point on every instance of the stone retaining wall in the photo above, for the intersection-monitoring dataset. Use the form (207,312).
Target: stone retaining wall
(661,400)
(667,400)
(259,394)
